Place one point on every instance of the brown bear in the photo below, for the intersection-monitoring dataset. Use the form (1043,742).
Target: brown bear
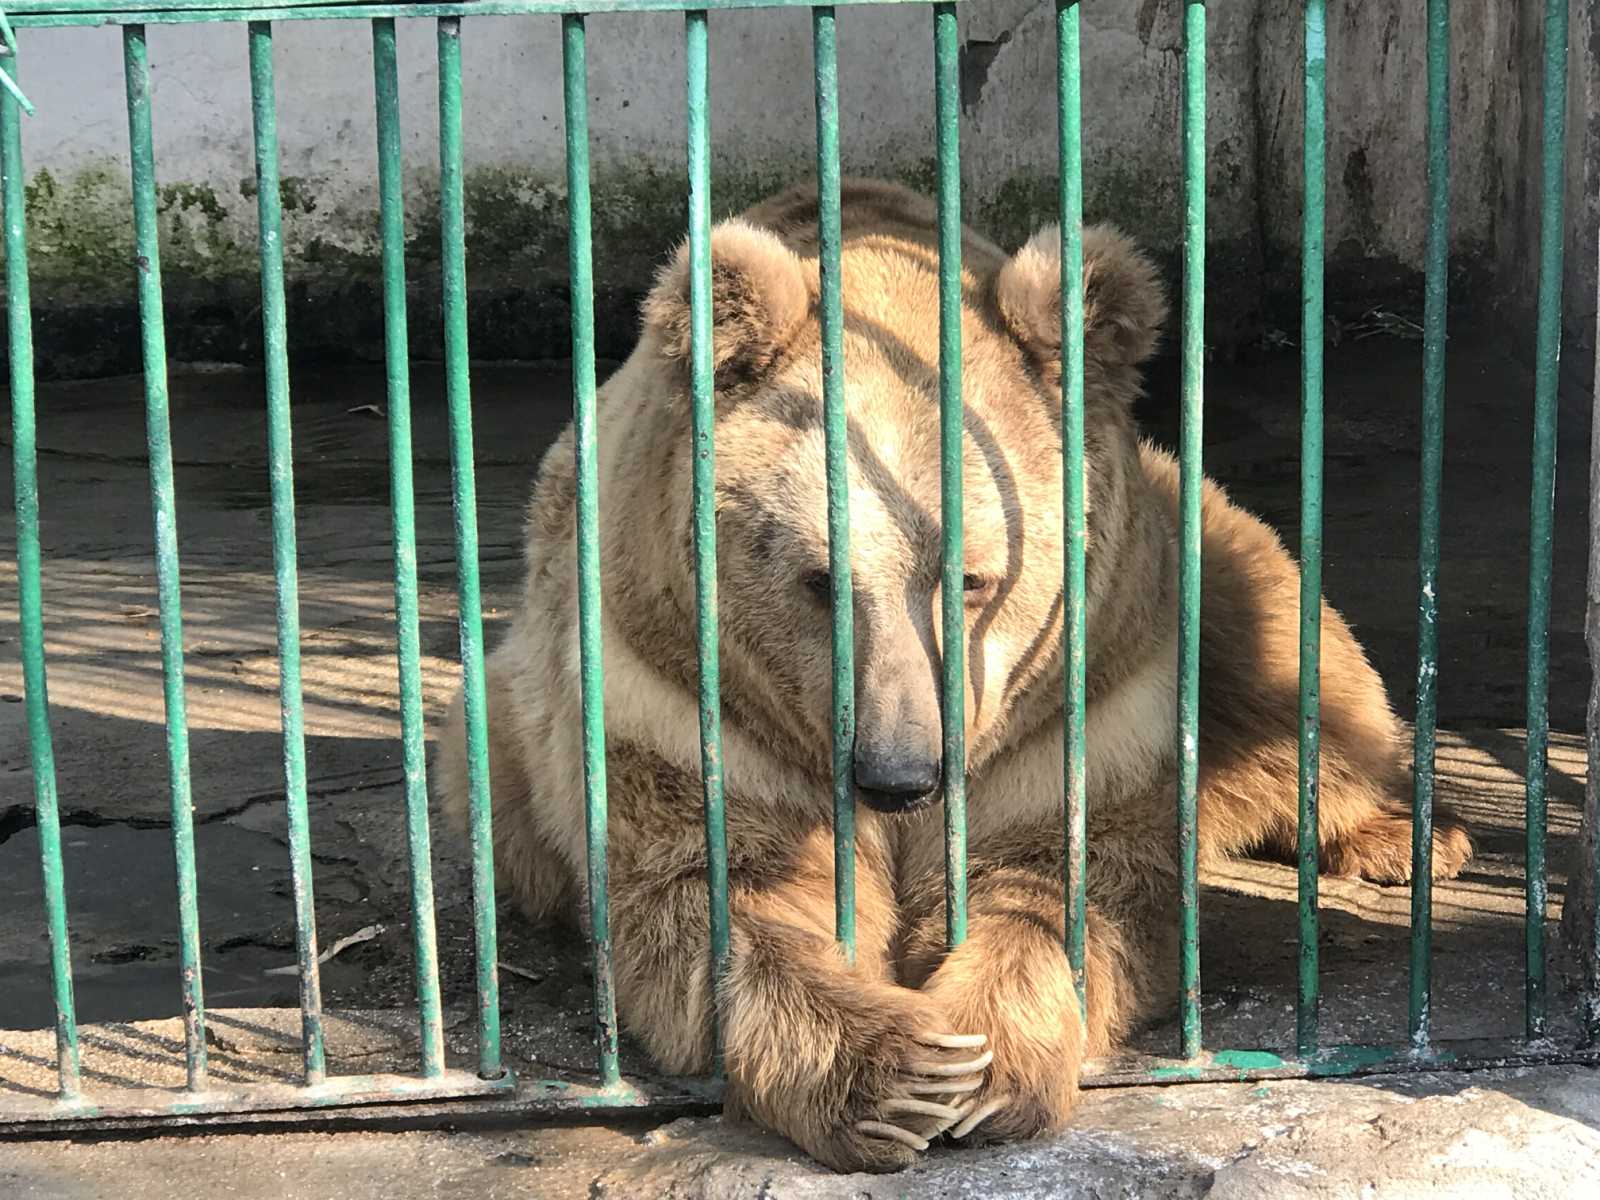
(861,1064)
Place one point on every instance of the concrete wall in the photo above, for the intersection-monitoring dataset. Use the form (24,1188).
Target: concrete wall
(763,128)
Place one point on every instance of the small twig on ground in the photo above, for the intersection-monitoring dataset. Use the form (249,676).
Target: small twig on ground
(365,934)
(522,972)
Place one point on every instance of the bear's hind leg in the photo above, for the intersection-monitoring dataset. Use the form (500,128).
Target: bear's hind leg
(1250,806)
(1379,848)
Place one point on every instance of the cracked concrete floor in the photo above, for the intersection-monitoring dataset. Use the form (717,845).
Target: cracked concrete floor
(103,639)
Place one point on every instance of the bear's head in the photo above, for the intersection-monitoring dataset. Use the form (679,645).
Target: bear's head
(774,582)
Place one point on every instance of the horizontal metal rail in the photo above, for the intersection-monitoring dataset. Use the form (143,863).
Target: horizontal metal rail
(385,1101)
(36,13)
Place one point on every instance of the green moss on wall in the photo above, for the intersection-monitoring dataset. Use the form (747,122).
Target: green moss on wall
(81,235)
(81,252)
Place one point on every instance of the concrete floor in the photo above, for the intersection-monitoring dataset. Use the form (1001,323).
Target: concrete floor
(103,638)
(1527,1135)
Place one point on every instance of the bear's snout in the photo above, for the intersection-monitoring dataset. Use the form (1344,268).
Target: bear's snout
(895,779)
(898,743)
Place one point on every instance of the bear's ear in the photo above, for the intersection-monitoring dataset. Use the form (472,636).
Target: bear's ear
(1123,304)
(758,299)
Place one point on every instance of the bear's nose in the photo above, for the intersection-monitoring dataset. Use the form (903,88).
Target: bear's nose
(895,782)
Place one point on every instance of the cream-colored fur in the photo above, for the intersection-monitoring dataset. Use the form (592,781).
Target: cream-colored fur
(845,1059)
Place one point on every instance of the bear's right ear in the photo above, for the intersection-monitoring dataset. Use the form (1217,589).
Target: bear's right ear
(1123,304)
(759,298)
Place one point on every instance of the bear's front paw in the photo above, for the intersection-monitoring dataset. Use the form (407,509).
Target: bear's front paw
(1016,986)
(1002,1114)
(1013,1105)
(908,1089)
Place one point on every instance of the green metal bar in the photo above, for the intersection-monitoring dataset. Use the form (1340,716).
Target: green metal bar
(1069,128)
(704,400)
(1547,367)
(1189,491)
(280,455)
(152,330)
(580,261)
(1312,233)
(402,501)
(452,218)
(825,52)
(947,118)
(1589,956)
(1336,1062)
(33,12)
(30,605)
(1424,737)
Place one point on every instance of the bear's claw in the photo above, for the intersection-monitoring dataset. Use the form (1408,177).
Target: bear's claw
(926,1108)
(942,1087)
(944,1070)
(893,1133)
(944,1113)
(954,1041)
(930,1077)
(984,1112)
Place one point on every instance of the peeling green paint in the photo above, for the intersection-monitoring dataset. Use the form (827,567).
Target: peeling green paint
(1164,1074)
(1247,1060)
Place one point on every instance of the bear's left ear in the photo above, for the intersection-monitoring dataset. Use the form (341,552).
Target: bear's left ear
(1123,303)
(758,299)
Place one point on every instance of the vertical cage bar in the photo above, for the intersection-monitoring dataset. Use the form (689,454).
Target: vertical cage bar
(1546,381)
(580,264)
(1189,489)
(952,590)
(402,499)
(280,456)
(704,400)
(153,344)
(1589,940)
(1311,242)
(1425,732)
(825,52)
(458,395)
(30,604)
(1070,164)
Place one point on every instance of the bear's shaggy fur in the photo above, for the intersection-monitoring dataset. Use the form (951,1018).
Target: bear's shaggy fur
(860,1063)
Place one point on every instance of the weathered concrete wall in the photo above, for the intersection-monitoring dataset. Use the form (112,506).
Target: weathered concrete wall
(763,130)
(1583,192)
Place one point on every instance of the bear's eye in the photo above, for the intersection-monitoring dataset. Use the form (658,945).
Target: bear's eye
(819,584)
